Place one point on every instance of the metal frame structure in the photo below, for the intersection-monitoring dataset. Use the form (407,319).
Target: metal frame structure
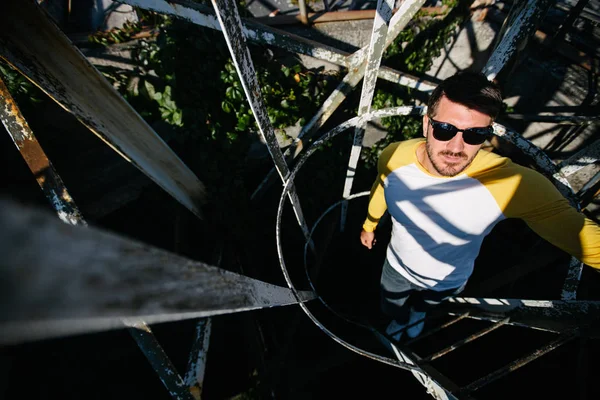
(134,140)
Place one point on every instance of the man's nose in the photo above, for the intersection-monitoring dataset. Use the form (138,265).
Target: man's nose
(456,144)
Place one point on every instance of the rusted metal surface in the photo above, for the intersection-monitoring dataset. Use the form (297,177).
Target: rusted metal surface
(530,14)
(194,378)
(499,373)
(231,25)
(46,176)
(466,340)
(145,339)
(82,280)
(373,61)
(47,57)
(51,184)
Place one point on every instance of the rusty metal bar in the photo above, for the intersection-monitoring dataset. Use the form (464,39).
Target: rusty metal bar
(530,14)
(143,336)
(194,378)
(83,280)
(373,61)
(466,340)
(47,57)
(499,373)
(437,328)
(231,25)
(46,176)
(51,184)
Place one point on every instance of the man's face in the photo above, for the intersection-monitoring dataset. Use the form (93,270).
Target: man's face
(452,157)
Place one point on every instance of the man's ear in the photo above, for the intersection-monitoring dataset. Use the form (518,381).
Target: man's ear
(425,125)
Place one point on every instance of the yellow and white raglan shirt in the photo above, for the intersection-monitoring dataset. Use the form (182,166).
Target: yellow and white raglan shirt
(439,223)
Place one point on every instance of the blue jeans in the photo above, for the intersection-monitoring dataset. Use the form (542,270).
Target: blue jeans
(398,295)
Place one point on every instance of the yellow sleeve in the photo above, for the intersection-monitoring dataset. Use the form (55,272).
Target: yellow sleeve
(549,214)
(377,205)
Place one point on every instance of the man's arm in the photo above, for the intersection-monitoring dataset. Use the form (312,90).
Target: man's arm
(549,214)
(377,205)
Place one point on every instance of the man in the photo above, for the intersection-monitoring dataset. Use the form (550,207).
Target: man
(445,195)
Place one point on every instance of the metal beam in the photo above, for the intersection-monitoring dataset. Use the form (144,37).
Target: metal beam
(554,315)
(145,339)
(42,169)
(373,61)
(202,15)
(194,378)
(231,25)
(59,280)
(357,64)
(583,158)
(530,14)
(47,57)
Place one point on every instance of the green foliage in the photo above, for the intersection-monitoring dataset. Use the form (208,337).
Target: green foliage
(24,92)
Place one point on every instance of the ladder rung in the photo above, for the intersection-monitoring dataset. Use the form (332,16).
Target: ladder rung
(499,373)
(437,329)
(466,340)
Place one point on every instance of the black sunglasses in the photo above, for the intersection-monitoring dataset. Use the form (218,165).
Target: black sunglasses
(444,131)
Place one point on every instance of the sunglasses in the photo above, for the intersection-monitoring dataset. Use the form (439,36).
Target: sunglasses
(444,131)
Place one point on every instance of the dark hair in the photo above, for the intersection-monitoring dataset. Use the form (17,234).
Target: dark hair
(471,89)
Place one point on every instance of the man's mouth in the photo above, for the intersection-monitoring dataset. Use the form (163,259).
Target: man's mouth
(453,158)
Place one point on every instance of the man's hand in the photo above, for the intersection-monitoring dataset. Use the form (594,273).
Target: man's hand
(367,239)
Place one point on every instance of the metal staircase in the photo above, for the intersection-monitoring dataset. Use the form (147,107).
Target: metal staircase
(63,72)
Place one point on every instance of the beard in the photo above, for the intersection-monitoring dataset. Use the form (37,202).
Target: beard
(448,169)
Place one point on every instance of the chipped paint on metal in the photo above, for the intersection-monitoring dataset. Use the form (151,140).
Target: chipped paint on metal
(49,59)
(121,278)
(231,25)
(46,176)
(357,60)
(194,377)
(569,291)
(524,25)
(187,12)
(374,54)
(199,14)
